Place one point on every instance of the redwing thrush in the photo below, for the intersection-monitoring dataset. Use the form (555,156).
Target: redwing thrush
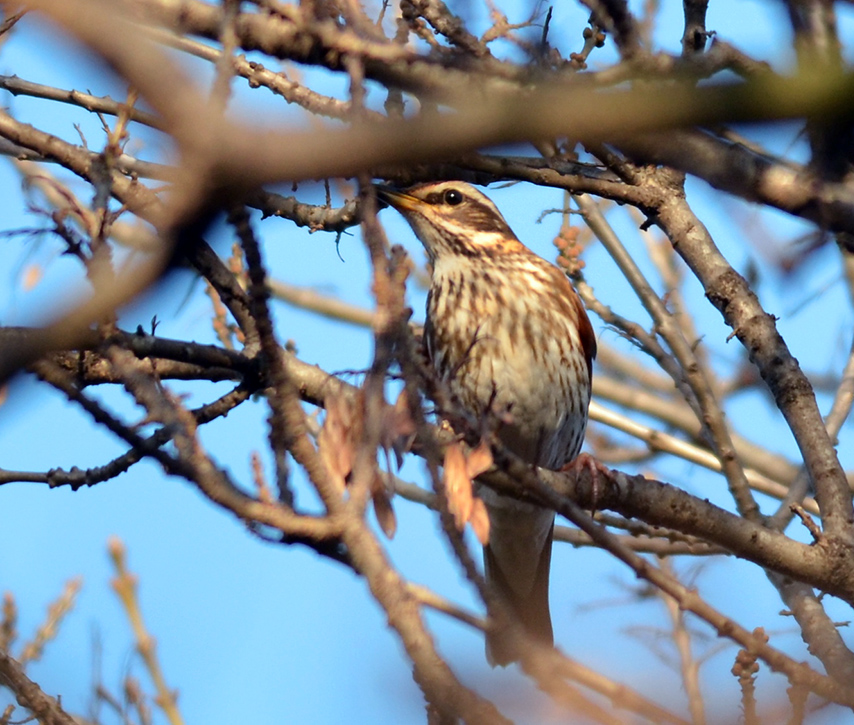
(507,333)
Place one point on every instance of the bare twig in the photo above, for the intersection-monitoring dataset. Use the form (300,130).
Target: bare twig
(125,585)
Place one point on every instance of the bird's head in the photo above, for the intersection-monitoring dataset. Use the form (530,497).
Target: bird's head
(452,218)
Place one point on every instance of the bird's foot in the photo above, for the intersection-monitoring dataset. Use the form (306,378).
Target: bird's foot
(597,486)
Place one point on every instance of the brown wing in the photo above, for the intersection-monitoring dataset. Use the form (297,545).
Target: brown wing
(427,336)
(576,310)
(585,333)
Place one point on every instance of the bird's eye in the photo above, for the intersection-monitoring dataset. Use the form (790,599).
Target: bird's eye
(453,197)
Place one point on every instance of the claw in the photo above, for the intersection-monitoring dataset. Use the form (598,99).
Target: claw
(578,464)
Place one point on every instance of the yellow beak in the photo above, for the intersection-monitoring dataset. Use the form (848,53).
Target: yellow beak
(396,199)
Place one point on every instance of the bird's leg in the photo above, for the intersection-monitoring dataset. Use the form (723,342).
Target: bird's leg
(578,464)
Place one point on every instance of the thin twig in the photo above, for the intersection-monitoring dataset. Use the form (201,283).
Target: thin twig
(125,586)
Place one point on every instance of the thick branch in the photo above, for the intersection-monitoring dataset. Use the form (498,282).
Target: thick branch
(731,294)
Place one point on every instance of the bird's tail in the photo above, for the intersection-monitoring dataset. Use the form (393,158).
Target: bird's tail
(517,561)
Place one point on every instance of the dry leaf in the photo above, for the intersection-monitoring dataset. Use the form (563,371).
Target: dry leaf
(459,471)
(457,485)
(480,521)
(404,425)
(479,460)
(383,509)
(336,441)
(398,428)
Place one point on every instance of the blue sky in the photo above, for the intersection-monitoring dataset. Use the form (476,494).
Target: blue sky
(250,632)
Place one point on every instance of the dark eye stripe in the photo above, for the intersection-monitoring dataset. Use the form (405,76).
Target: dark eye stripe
(470,212)
(479,217)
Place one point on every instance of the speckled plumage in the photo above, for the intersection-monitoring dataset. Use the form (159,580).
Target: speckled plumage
(505,329)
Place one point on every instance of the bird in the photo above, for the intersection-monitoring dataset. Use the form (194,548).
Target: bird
(507,333)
